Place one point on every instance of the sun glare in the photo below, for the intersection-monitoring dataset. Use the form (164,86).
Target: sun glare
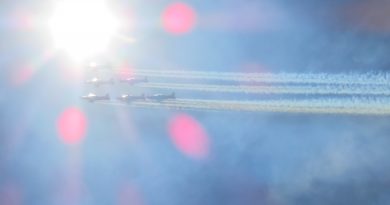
(82,28)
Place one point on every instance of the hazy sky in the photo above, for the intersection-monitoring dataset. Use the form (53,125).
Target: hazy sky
(136,156)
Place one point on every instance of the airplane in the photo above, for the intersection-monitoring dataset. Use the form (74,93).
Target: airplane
(161,97)
(91,97)
(130,98)
(97,82)
(134,80)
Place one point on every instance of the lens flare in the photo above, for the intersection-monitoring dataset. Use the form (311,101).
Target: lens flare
(179,18)
(189,136)
(22,19)
(72,126)
(10,194)
(21,75)
(126,71)
(129,194)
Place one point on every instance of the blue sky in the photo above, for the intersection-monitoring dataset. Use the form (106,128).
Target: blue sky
(128,155)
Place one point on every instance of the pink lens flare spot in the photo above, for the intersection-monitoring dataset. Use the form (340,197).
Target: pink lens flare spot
(21,76)
(22,19)
(72,126)
(126,71)
(10,194)
(129,194)
(129,19)
(369,16)
(253,67)
(188,136)
(179,18)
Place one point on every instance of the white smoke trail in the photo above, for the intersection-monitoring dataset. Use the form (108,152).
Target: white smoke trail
(362,106)
(361,85)
(277,89)
(341,106)
(320,78)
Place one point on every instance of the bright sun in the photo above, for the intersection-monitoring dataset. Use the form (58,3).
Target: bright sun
(82,28)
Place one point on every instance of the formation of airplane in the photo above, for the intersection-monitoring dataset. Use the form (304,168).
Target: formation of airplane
(126,98)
